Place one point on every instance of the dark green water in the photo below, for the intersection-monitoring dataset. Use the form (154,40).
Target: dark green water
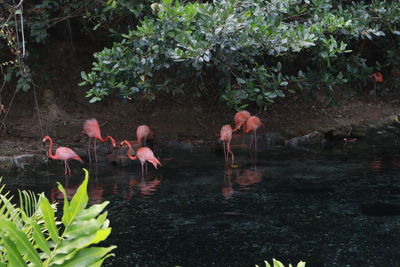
(334,206)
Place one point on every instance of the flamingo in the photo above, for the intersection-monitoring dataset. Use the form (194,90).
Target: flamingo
(226,137)
(252,124)
(240,119)
(62,153)
(143,154)
(92,129)
(142,132)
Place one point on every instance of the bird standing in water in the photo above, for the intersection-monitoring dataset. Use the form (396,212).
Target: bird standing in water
(92,129)
(142,132)
(62,153)
(252,124)
(226,137)
(143,154)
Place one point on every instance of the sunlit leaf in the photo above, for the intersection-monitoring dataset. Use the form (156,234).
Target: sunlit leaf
(13,255)
(79,200)
(49,219)
(21,241)
(88,256)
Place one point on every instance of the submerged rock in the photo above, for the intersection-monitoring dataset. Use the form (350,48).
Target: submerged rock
(6,163)
(359,131)
(339,133)
(24,161)
(314,138)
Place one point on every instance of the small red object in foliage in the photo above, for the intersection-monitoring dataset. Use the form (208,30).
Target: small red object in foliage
(376,77)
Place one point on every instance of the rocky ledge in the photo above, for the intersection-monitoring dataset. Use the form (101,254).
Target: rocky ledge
(369,131)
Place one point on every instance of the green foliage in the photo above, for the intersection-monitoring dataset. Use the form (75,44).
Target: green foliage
(29,234)
(277,263)
(254,51)
(23,23)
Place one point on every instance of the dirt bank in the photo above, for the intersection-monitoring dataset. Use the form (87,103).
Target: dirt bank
(63,108)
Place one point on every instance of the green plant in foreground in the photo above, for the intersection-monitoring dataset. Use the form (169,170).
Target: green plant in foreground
(29,234)
(277,263)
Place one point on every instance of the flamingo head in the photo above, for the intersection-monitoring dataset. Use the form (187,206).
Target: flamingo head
(125,142)
(114,144)
(46,138)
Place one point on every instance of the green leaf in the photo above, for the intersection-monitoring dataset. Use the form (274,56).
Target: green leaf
(101,235)
(240,80)
(80,199)
(38,236)
(88,256)
(13,255)
(66,217)
(68,245)
(277,263)
(91,212)
(82,228)
(21,240)
(83,75)
(49,219)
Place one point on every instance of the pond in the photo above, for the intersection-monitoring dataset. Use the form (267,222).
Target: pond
(337,205)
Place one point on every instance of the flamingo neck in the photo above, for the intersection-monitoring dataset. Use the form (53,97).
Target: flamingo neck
(130,151)
(107,138)
(51,155)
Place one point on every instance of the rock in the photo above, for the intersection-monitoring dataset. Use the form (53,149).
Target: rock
(359,131)
(392,118)
(392,129)
(339,133)
(6,163)
(274,138)
(314,138)
(26,161)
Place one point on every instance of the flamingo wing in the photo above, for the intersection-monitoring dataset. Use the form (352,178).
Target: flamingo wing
(226,133)
(65,153)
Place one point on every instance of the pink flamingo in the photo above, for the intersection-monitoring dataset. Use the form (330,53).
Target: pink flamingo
(92,129)
(142,132)
(62,153)
(226,137)
(252,124)
(240,119)
(143,154)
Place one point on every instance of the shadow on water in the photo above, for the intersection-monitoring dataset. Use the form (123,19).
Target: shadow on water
(337,206)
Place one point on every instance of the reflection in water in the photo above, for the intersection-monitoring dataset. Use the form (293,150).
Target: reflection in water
(244,178)
(248,177)
(376,164)
(146,188)
(227,189)
(97,191)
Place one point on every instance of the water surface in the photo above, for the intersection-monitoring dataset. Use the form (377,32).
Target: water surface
(332,206)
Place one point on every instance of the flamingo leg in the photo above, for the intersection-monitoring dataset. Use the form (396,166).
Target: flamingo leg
(65,167)
(255,140)
(223,144)
(252,140)
(146,166)
(95,147)
(230,151)
(142,170)
(90,160)
(243,135)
